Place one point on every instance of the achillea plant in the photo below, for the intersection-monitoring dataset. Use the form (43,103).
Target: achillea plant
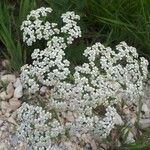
(83,111)
(49,65)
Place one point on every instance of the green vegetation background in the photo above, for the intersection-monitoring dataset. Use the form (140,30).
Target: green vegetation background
(107,21)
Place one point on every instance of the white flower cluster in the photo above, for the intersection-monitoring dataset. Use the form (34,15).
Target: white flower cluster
(88,104)
(37,127)
(104,126)
(109,78)
(37,28)
(71,27)
(122,67)
(33,128)
(49,65)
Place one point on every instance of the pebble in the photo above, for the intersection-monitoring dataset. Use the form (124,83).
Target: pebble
(11,120)
(18,93)
(145,110)
(43,90)
(3,146)
(7,114)
(5,63)
(144,123)
(8,78)
(3,128)
(10,90)
(4,106)
(14,104)
(130,138)
(1,134)
(3,95)
(118,120)
(1,122)
(133,118)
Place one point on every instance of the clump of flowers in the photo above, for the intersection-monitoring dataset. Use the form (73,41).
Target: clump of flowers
(49,65)
(37,28)
(85,110)
(33,129)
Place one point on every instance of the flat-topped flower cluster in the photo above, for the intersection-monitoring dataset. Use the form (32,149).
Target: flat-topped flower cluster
(86,107)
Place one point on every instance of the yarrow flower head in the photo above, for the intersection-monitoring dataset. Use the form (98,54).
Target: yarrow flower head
(37,127)
(121,66)
(36,28)
(49,65)
(71,27)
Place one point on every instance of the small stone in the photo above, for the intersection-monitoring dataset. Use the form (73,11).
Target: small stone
(10,90)
(133,118)
(14,104)
(18,89)
(144,123)
(4,106)
(7,114)
(18,92)
(3,146)
(3,128)
(5,63)
(17,83)
(1,134)
(11,120)
(43,90)
(130,138)
(145,110)
(1,122)
(3,95)
(126,110)
(8,78)
(118,120)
